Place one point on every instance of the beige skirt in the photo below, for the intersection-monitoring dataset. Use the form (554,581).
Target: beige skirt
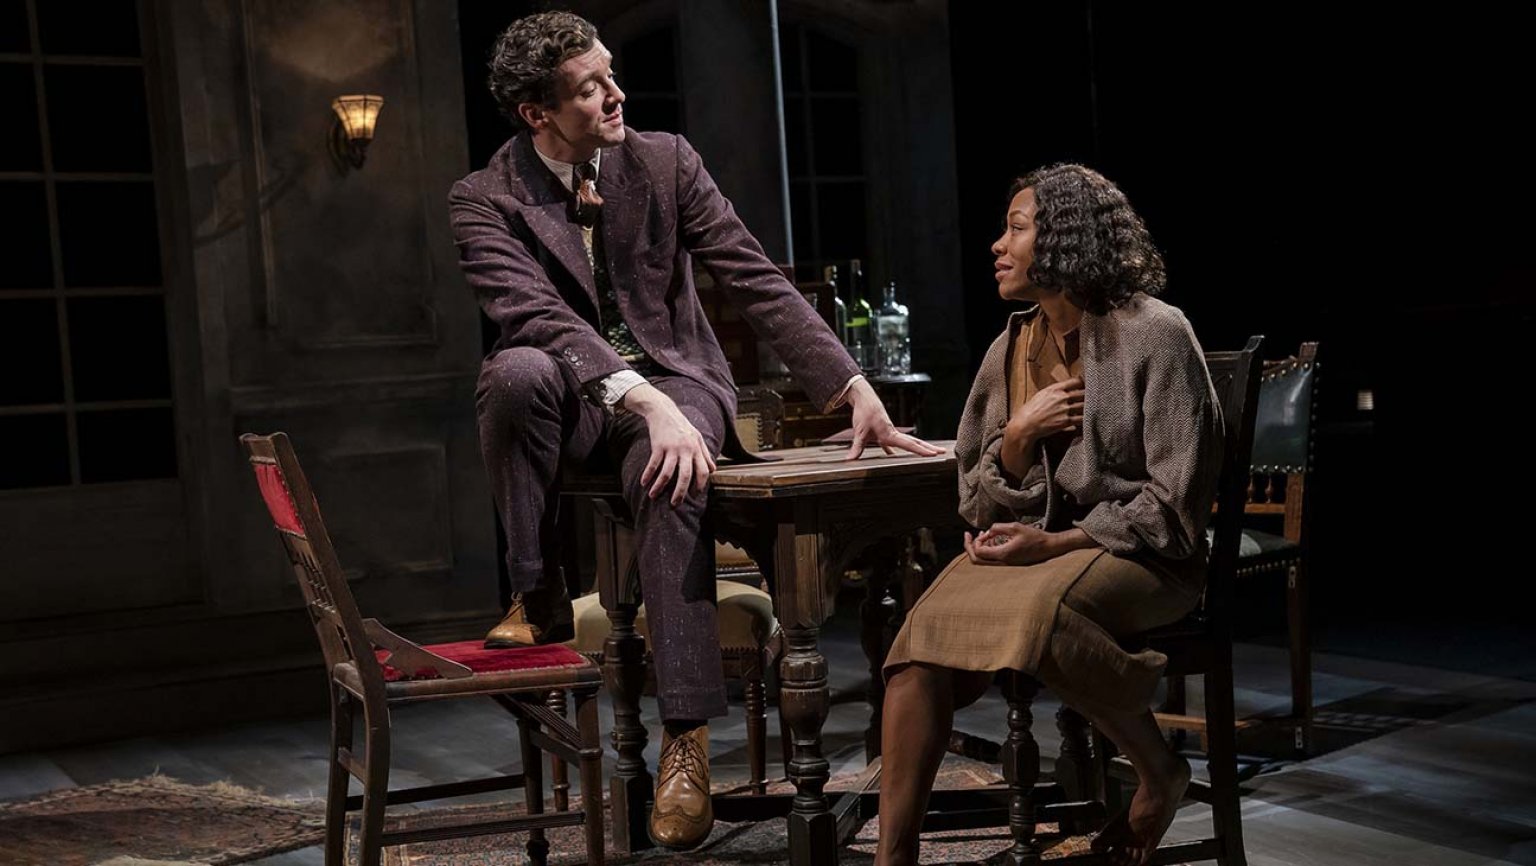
(1057,620)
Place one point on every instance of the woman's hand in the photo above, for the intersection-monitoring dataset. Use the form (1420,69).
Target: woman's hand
(1052,409)
(1009,544)
(1056,407)
(1023,544)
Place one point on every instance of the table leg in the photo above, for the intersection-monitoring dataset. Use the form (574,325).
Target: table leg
(804,701)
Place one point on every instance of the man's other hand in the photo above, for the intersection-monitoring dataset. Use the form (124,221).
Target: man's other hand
(678,449)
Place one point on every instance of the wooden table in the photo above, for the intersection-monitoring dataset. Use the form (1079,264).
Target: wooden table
(803,518)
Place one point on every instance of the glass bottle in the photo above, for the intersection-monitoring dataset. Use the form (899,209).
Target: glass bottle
(892,327)
(861,334)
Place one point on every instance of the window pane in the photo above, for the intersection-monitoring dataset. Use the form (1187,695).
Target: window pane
(833,65)
(650,63)
(29,353)
(99,27)
(97,118)
(789,58)
(45,441)
(126,445)
(652,114)
(20,147)
(118,347)
(28,258)
(839,145)
(800,219)
(842,220)
(794,135)
(109,234)
(14,34)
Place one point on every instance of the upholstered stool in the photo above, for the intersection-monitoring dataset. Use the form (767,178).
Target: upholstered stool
(749,644)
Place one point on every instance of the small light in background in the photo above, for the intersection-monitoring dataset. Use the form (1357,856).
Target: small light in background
(1365,400)
(356,116)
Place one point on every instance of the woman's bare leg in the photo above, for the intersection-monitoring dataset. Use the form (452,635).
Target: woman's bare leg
(920,703)
(1162,778)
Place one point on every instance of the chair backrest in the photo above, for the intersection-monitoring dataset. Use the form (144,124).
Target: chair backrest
(296,516)
(1236,377)
(759,417)
(1282,440)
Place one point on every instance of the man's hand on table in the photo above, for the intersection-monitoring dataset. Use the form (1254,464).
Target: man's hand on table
(872,426)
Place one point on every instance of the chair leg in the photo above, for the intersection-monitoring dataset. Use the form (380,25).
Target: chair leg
(1221,738)
(533,789)
(757,729)
(1021,768)
(1074,766)
(375,783)
(560,784)
(1301,655)
(591,774)
(1111,792)
(631,784)
(772,655)
(874,613)
(1176,703)
(339,779)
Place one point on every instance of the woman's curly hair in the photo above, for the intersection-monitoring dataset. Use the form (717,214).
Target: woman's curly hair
(528,54)
(1089,243)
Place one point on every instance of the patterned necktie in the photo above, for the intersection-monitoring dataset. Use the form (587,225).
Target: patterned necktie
(587,202)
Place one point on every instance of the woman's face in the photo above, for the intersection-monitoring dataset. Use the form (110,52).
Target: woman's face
(1015,250)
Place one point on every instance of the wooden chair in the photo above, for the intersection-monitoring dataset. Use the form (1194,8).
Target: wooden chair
(1278,490)
(371,668)
(1086,789)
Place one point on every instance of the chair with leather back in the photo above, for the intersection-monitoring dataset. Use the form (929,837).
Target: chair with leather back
(371,669)
(1278,492)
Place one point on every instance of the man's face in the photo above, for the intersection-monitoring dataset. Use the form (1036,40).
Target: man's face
(588,112)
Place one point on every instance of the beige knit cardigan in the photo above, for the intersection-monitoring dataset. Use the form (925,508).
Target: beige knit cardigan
(1147,461)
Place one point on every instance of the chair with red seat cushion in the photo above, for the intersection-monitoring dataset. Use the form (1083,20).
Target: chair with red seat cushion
(373,668)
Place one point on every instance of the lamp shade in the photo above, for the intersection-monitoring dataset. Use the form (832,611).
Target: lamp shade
(358,113)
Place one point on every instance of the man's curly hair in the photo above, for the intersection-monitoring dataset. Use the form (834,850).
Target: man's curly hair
(527,55)
(1089,243)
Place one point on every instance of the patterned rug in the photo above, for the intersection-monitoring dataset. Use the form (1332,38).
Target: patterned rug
(728,845)
(155,819)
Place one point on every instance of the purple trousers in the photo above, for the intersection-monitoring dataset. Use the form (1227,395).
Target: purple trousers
(533,418)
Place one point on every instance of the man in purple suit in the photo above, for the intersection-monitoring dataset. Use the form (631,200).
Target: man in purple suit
(578,239)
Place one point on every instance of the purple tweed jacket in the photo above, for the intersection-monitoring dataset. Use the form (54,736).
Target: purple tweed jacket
(523,256)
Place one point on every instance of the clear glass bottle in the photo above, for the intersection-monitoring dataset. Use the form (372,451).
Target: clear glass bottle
(861,331)
(893,329)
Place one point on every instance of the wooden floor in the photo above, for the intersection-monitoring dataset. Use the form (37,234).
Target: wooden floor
(1422,765)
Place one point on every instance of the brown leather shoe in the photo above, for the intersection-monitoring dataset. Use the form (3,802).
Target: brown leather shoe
(538,616)
(683,814)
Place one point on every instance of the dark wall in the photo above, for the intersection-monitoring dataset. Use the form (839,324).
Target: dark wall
(1352,178)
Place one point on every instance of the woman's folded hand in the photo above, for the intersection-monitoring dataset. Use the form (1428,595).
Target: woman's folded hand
(1009,544)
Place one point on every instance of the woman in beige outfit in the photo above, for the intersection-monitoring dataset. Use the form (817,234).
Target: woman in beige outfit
(1088,454)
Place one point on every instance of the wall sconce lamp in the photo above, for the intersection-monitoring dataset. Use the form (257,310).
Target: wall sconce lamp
(356,115)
